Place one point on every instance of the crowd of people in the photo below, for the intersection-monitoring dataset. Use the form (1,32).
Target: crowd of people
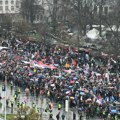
(60,73)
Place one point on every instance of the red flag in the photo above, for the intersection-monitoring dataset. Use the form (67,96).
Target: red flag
(74,62)
(18,58)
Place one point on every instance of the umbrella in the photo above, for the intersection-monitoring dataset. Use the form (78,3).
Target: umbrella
(75,78)
(99,101)
(26,90)
(56,65)
(52,85)
(111,87)
(114,111)
(67,65)
(73,74)
(72,81)
(31,79)
(67,92)
(85,90)
(63,78)
(30,74)
(72,98)
(40,76)
(76,82)
(68,71)
(82,93)
(66,85)
(70,87)
(117,103)
(56,76)
(89,100)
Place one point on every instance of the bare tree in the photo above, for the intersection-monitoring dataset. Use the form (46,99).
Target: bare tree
(113,23)
(29,9)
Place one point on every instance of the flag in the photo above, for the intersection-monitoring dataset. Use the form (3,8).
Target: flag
(51,104)
(38,54)
(103,54)
(27,43)
(113,60)
(31,64)
(99,100)
(74,62)
(99,97)
(18,58)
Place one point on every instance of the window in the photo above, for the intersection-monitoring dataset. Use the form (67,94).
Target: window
(38,17)
(17,4)
(6,2)
(111,8)
(12,2)
(12,8)
(1,8)
(95,8)
(41,17)
(1,2)
(106,10)
(101,10)
(6,8)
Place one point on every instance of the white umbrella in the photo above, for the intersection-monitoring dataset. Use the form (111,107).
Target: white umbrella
(52,85)
(67,92)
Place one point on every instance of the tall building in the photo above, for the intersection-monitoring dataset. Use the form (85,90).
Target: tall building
(9,6)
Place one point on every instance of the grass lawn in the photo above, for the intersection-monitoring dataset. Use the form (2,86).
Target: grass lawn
(8,116)
(36,37)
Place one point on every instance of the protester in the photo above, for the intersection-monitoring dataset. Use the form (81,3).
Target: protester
(74,116)
(58,72)
(63,116)
(58,116)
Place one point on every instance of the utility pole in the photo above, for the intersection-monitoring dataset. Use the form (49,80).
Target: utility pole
(67,108)
(100,15)
(5,93)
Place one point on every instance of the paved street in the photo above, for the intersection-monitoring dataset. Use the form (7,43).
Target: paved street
(38,102)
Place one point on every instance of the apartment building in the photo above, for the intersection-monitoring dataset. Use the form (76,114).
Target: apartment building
(107,7)
(9,6)
(12,8)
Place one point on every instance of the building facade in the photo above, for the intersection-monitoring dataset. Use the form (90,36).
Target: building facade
(107,6)
(9,6)
(13,7)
